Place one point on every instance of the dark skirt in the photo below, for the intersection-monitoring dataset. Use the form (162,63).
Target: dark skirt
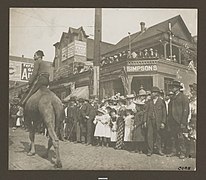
(120,133)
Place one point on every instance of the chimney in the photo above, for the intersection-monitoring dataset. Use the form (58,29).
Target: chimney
(142,24)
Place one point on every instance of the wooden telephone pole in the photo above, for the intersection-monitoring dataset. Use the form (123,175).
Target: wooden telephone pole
(97,53)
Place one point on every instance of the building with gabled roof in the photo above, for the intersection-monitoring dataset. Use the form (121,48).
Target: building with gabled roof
(150,57)
(74,55)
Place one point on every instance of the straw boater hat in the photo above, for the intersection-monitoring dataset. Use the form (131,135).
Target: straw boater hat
(130,96)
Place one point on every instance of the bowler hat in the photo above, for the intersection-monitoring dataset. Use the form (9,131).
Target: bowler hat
(176,84)
(155,89)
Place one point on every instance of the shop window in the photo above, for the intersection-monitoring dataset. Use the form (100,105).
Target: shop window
(167,84)
(137,82)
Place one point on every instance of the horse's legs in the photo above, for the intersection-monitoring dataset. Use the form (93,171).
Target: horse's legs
(48,148)
(55,142)
(31,137)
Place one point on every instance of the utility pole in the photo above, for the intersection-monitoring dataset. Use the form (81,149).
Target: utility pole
(97,53)
(130,47)
(170,38)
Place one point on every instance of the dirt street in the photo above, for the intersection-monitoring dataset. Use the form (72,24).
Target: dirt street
(81,157)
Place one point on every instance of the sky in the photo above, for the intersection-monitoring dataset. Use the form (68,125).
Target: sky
(31,29)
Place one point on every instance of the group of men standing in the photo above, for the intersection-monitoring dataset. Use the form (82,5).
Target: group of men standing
(173,121)
(79,120)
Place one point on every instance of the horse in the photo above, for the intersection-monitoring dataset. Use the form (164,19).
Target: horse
(44,106)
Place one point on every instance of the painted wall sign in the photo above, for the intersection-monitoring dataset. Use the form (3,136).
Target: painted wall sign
(142,68)
(20,71)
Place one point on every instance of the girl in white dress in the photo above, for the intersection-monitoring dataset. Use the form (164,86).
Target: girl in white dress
(99,132)
(107,128)
(129,122)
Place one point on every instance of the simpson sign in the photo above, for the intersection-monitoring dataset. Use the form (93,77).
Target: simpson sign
(20,71)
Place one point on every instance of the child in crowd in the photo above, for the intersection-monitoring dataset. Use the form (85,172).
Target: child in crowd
(129,121)
(113,125)
(99,132)
(107,120)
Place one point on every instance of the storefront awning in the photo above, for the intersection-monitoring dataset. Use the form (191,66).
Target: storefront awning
(81,92)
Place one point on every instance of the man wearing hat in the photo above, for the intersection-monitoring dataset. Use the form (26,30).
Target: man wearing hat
(39,77)
(155,118)
(178,112)
(88,115)
(71,120)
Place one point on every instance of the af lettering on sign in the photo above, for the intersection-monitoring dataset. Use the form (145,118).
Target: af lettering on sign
(143,68)
(26,71)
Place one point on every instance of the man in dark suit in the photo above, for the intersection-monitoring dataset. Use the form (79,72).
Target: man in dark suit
(155,118)
(88,115)
(71,120)
(178,111)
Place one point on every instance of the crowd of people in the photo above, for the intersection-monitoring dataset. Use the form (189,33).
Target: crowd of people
(148,122)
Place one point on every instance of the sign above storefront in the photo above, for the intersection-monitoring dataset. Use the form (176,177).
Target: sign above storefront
(142,68)
(74,48)
(20,71)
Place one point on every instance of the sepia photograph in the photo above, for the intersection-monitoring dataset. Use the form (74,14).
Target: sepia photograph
(102,89)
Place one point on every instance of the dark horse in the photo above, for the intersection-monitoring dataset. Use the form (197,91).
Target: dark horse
(44,106)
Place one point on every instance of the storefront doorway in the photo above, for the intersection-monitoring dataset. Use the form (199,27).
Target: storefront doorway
(137,82)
